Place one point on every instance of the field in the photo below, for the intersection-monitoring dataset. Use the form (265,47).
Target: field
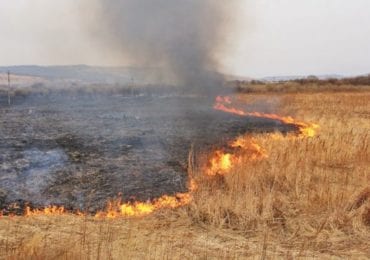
(307,197)
(78,150)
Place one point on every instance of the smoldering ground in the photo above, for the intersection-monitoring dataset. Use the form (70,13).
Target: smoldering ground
(182,39)
(79,150)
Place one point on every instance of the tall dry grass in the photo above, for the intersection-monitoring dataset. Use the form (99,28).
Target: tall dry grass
(310,198)
(298,86)
(311,194)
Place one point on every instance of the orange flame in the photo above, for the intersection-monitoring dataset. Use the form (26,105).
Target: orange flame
(249,147)
(117,209)
(138,209)
(48,211)
(220,163)
(244,148)
(305,129)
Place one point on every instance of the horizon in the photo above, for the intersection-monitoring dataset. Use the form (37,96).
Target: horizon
(335,75)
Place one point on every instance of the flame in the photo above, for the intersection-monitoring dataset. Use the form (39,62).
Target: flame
(193,186)
(221,162)
(244,148)
(139,209)
(48,211)
(249,147)
(116,208)
(305,129)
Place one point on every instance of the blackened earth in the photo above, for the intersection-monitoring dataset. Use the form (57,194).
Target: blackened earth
(81,150)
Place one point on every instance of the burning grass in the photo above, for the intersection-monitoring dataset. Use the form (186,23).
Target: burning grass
(265,195)
(220,163)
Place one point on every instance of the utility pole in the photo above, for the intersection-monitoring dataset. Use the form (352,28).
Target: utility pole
(9,88)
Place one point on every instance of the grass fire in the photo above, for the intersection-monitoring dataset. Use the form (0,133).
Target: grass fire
(205,130)
(253,173)
(220,163)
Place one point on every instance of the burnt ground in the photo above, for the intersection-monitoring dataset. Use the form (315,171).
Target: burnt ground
(80,150)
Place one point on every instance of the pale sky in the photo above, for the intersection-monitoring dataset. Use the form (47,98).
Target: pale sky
(272,37)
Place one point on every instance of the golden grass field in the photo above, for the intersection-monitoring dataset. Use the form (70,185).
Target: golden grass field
(309,199)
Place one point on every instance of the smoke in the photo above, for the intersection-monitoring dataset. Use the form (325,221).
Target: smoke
(181,39)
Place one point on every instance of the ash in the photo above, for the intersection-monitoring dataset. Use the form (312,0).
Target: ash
(81,150)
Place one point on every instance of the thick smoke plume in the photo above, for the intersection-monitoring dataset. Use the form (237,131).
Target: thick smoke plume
(181,39)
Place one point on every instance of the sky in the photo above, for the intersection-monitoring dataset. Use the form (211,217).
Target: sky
(268,37)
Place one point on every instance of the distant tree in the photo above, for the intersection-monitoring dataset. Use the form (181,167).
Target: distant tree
(312,78)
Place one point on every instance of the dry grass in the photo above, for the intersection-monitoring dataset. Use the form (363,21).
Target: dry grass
(311,194)
(299,87)
(310,198)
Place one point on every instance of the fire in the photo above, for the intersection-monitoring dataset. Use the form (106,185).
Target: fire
(250,148)
(221,162)
(193,186)
(117,209)
(243,148)
(246,147)
(308,130)
(138,209)
(305,129)
(48,211)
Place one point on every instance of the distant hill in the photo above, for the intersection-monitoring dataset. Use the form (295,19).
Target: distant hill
(92,74)
(115,75)
(81,73)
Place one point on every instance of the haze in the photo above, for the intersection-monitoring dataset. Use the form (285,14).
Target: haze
(270,37)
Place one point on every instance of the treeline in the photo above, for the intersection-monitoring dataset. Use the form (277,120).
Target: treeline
(355,81)
(309,84)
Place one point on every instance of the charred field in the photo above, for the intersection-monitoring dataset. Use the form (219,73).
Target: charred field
(79,150)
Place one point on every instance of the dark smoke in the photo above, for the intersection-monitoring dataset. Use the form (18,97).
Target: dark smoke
(179,38)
